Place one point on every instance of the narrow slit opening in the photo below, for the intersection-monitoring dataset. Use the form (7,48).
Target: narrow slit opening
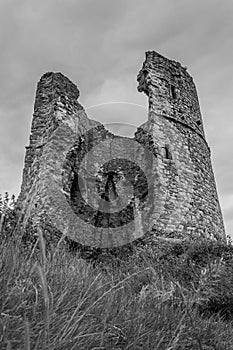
(168,154)
(173,91)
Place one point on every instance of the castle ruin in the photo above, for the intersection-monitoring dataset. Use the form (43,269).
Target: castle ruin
(103,190)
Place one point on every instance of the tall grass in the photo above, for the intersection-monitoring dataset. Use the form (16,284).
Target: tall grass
(168,297)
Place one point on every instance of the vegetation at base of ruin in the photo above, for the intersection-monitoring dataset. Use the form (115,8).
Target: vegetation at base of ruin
(167,296)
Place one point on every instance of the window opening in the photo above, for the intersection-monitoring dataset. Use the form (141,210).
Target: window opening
(168,154)
(173,91)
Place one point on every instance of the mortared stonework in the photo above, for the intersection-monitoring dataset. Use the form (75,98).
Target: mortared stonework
(105,191)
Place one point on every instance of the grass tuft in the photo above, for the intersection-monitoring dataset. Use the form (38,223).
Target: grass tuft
(169,296)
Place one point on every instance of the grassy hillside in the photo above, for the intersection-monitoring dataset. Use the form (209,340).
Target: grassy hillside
(168,296)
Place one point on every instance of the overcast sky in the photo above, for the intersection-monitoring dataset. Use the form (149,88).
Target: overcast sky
(100,45)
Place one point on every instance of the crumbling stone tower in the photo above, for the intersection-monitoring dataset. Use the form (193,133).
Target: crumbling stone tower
(163,176)
(175,122)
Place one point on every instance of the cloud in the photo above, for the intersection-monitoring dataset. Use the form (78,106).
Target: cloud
(100,46)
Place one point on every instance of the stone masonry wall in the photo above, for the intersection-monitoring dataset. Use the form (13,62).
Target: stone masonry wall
(103,190)
(57,120)
(176,123)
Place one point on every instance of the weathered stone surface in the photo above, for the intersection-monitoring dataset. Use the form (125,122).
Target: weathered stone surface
(175,122)
(103,190)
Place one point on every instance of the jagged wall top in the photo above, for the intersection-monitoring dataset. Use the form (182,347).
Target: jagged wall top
(59,84)
(53,91)
(171,91)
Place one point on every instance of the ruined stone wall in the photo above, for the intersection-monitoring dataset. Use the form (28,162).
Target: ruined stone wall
(58,120)
(171,91)
(176,125)
(106,191)
(54,92)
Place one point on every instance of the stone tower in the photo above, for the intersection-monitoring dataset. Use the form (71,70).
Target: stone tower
(105,191)
(175,122)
